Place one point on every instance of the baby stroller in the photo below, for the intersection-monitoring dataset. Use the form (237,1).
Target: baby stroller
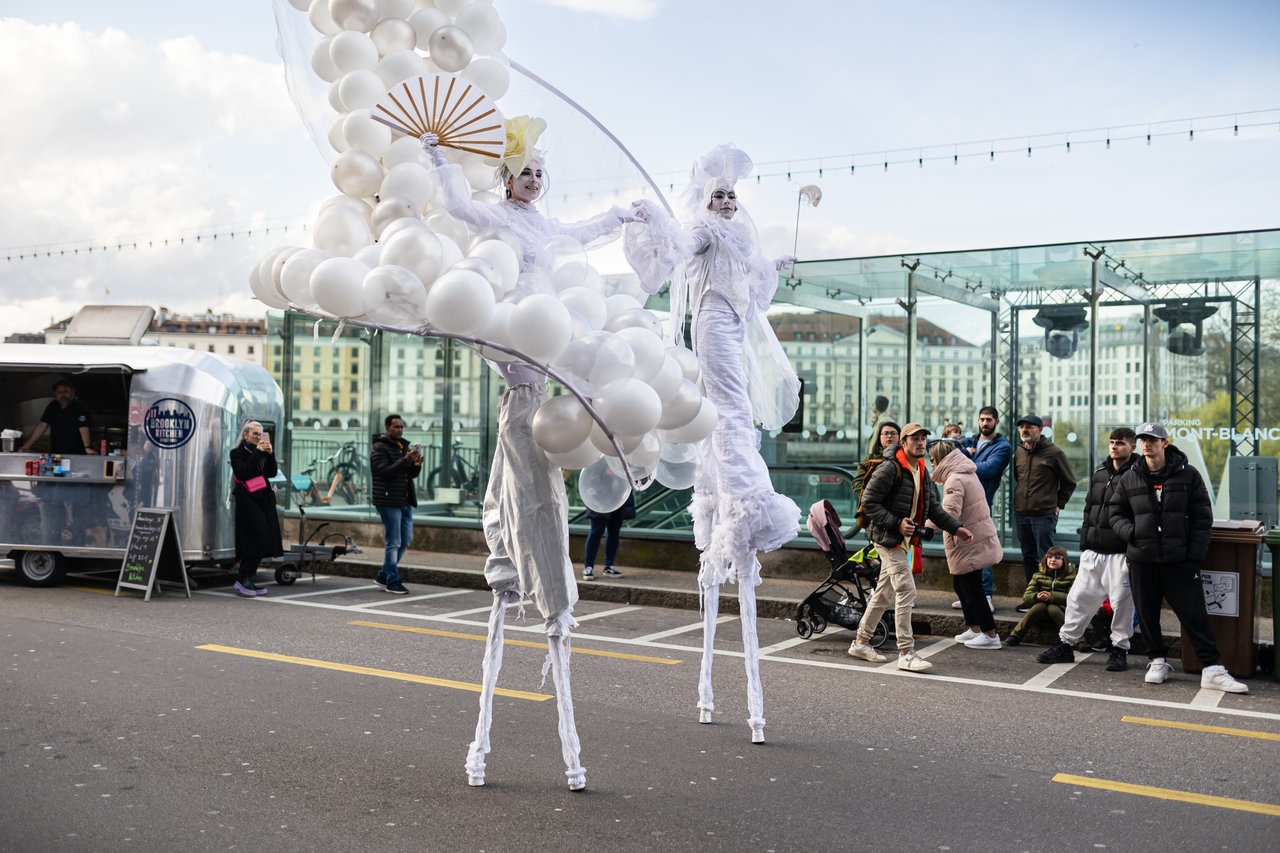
(842,597)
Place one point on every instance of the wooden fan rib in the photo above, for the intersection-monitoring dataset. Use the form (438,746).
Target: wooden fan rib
(405,117)
(454,105)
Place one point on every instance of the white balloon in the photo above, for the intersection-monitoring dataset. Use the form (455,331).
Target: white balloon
(356,173)
(498,331)
(588,303)
(487,271)
(490,75)
(393,295)
(335,96)
(666,382)
(424,23)
(401,9)
(634,318)
(450,48)
(352,50)
(561,424)
(601,441)
(481,22)
(628,406)
(295,278)
(340,230)
(300,5)
(679,452)
(336,286)
(370,255)
(262,285)
(360,88)
(450,253)
(481,178)
(365,134)
(697,429)
(650,351)
(688,362)
(406,149)
(682,408)
(388,210)
(417,250)
(642,460)
(399,65)
(571,274)
(451,7)
(337,139)
(322,61)
(442,222)
(359,15)
(676,475)
(460,302)
(398,225)
(318,14)
(392,34)
(580,457)
(502,257)
(601,489)
(596,359)
(411,180)
(540,327)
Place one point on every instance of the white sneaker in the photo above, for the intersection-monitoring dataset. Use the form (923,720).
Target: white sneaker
(913,663)
(862,650)
(984,641)
(1157,671)
(1217,678)
(991,604)
(967,635)
(955,605)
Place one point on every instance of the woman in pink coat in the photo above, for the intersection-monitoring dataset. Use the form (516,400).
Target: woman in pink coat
(964,497)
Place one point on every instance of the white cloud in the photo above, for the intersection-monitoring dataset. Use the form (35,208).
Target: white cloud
(636,10)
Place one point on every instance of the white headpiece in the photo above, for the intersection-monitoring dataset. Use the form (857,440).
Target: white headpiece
(720,168)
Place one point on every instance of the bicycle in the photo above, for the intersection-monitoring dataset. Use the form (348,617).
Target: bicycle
(465,477)
(342,472)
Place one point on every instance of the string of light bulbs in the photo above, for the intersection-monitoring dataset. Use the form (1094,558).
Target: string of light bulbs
(823,166)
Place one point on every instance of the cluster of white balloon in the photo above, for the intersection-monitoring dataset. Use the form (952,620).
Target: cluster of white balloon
(386,255)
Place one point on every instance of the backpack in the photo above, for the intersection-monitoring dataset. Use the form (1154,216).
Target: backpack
(865,470)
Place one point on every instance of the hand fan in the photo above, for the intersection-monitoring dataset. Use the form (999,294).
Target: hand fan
(458,112)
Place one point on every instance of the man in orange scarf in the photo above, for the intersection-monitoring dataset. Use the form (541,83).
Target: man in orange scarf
(897,500)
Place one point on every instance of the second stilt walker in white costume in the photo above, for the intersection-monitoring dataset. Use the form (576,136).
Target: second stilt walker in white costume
(716,268)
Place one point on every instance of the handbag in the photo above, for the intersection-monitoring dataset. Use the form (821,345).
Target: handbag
(254,484)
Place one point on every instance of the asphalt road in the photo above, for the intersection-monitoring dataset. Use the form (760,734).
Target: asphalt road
(332,716)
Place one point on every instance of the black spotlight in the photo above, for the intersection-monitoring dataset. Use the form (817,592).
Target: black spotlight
(1062,326)
(1186,325)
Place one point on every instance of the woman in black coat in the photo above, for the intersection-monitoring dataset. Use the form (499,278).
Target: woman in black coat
(257,525)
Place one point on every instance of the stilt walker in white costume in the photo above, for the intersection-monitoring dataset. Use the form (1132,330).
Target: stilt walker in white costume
(525,514)
(717,269)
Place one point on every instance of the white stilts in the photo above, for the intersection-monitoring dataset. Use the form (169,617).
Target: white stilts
(558,651)
(751,656)
(710,613)
(489,679)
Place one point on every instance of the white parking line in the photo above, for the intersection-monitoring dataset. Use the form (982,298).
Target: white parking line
(583,617)
(1207,698)
(683,629)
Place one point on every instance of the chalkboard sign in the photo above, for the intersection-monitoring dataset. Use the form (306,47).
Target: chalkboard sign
(153,552)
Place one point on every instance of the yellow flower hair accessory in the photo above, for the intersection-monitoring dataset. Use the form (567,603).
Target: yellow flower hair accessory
(522,136)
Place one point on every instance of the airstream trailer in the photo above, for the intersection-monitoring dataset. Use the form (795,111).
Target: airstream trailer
(166,419)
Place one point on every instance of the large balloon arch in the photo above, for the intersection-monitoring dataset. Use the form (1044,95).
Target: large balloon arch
(385,254)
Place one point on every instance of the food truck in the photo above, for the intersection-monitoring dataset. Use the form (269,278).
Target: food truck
(162,423)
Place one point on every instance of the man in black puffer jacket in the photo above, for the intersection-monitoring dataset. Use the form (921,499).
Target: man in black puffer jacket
(1161,509)
(394,465)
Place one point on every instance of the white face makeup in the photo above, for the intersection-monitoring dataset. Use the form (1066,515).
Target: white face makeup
(724,203)
(527,185)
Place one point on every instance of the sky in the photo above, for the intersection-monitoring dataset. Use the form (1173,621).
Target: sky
(143,129)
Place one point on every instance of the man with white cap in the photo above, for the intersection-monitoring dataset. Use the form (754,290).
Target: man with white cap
(1161,508)
(896,501)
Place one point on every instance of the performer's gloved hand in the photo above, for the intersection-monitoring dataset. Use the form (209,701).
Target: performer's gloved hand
(431,145)
(641,211)
(784,261)
(518,373)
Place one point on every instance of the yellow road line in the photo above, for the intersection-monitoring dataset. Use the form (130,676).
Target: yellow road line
(521,643)
(1169,794)
(380,673)
(1193,727)
(96,589)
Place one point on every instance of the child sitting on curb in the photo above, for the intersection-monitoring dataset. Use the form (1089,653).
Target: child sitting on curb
(1046,594)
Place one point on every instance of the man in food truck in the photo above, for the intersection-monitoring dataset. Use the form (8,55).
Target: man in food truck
(67,421)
